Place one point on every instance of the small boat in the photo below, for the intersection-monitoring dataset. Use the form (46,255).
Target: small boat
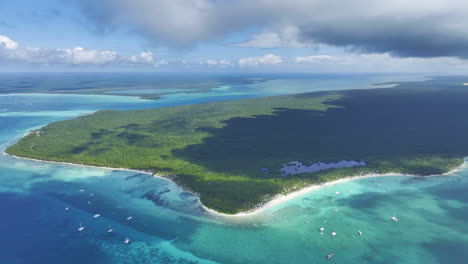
(335,210)
(127,240)
(359,232)
(129,218)
(321,229)
(82,190)
(394,218)
(337,192)
(81,228)
(91,194)
(96,215)
(66,208)
(329,256)
(333,233)
(110,230)
(307,222)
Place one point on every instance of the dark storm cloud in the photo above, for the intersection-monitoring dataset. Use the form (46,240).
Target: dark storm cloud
(404,28)
(424,38)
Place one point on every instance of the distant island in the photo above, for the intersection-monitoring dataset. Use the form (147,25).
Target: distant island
(239,154)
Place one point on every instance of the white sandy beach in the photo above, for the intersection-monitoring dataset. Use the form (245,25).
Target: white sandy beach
(280,198)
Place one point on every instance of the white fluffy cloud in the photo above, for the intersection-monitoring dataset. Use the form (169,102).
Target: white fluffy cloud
(348,62)
(142,58)
(268,59)
(215,62)
(79,55)
(313,58)
(11,51)
(7,43)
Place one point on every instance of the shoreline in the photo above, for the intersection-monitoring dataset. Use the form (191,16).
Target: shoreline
(281,198)
(86,165)
(278,199)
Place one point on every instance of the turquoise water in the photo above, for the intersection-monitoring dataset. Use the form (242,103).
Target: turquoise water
(147,91)
(168,225)
(290,85)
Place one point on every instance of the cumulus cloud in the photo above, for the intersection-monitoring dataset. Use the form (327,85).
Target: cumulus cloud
(80,55)
(142,58)
(268,59)
(215,62)
(7,43)
(313,58)
(11,51)
(417,28)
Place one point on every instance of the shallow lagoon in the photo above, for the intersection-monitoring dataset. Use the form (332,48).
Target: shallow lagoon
(168,225)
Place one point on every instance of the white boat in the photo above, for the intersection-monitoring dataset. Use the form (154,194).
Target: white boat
(322,229)
(81,228)
(359,232)
(96,215)
(333,233)
(126,241)
(306,222)
(129,218)
(337,192)
(110,230)
(335,210)
(66,208)
(82,190)
(329,256)
(394,218)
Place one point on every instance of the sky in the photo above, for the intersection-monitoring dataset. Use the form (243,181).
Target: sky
(315,36)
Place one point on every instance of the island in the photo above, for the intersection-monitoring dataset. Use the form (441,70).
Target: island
(236,155)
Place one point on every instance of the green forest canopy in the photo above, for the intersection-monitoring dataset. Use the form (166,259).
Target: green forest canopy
(217,149)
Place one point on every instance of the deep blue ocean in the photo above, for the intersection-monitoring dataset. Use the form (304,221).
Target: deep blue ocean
(42,205)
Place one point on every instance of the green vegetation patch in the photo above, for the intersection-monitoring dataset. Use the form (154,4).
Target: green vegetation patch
(217,149)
